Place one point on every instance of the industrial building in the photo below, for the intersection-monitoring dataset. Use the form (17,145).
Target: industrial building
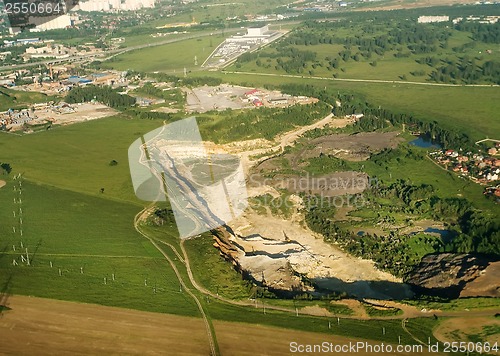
(431,19)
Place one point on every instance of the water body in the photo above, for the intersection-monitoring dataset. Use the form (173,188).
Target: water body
(441,232)
(425,141)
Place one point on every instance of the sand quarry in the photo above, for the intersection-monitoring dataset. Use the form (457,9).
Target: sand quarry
(274,250)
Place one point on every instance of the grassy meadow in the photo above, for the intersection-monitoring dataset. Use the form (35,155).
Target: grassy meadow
(468,109)
(169,57)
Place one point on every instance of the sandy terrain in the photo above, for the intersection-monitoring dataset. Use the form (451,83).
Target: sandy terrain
(261,244)
(357,147)
(308,254)
(76,113)
(2,183)
(49,327)
(487,284)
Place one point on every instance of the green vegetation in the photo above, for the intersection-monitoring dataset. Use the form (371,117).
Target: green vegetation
(167,58)
(381,311)
(331,305)
(263,123)
(213,272)
(278,206)
(395,49)
(13,99)
(455,304)
(77,157)
(372,329)
(397,206)
(61,227)
(105,95)
(174,97)
(463,109)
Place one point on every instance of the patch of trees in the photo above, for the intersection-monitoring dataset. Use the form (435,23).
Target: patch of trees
(105,95)
(488,33)
(479,233)
(149,115)
(467,71)
(162,216)
(187,81)
(262,123)
(376,118)
(5,168)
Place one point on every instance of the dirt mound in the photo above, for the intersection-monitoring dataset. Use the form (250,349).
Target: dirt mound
(449,274)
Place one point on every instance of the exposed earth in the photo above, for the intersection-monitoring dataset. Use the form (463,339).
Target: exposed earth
(46,327)
(2,183)
(452,275)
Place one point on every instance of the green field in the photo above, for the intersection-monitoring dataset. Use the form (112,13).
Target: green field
(74,231)
(468,109)
(173,57)
(77,157)
(14,99)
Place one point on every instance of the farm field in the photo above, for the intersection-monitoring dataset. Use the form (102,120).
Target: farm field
(60,326)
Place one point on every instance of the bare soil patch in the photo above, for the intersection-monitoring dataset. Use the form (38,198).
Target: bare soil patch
(2,183)
(486,285)
(268,246)
(357,147)
(50,327)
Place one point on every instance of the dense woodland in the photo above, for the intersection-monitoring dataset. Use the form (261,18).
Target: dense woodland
(105,95)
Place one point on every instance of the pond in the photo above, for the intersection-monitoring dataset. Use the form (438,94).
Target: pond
(425,141)
(441,232)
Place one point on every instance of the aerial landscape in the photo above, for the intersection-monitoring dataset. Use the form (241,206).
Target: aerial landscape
(249,177)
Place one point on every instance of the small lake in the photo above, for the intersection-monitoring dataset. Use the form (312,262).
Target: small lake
(425,141)
(441,232)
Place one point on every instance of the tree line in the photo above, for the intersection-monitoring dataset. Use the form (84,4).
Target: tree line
(104,94)
(376,117)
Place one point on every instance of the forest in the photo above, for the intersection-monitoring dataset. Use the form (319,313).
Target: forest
(105,95)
